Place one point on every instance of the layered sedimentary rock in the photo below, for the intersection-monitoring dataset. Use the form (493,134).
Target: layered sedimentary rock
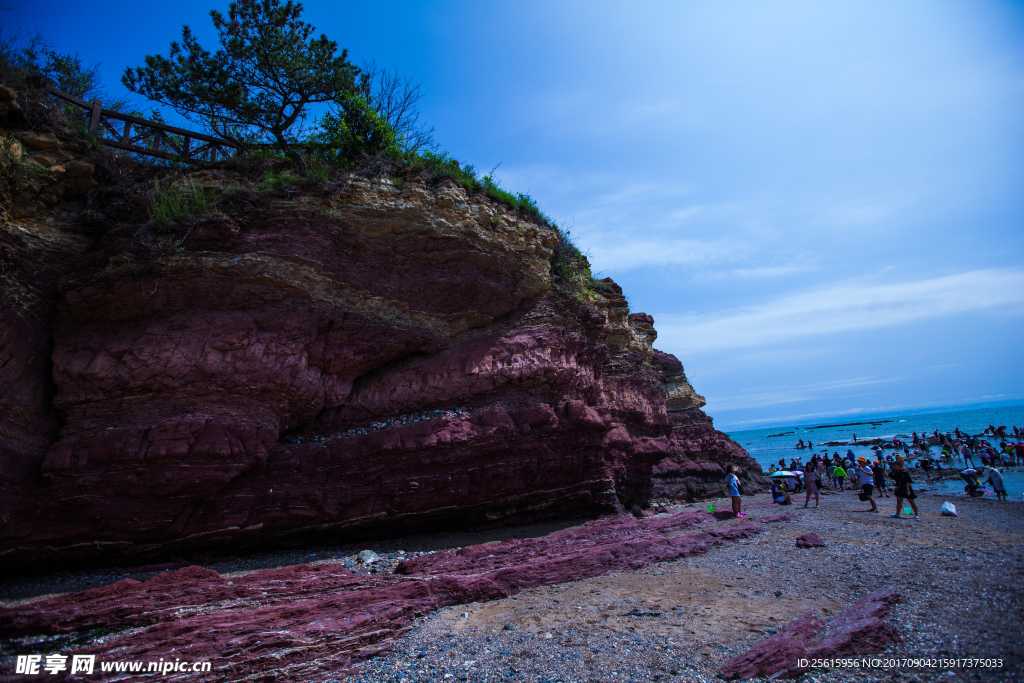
(365,360)
(859,630)
(42,196)
(308,622)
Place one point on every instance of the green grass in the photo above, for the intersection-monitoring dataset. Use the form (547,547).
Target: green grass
(315,167)
(438,166)
(169,205)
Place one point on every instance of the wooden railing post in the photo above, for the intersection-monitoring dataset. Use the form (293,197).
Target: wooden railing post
(151,137)
(97,112)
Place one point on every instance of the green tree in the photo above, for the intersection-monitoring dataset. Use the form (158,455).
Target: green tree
(259,85)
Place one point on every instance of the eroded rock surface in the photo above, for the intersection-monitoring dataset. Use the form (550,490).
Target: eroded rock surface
(858,630)
(305,622)
(370,360)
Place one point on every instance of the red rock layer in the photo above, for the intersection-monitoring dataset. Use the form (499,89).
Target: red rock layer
(305,622)
(39,240)
(326,368)
(858,630)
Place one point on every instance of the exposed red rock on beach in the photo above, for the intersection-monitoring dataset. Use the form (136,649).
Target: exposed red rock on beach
(304,621)
(858,630)
(809,540)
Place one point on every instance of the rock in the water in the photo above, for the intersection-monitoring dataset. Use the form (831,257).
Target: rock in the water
(809,540)
(368,557)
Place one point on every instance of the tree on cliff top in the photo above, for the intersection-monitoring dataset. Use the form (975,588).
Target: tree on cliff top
(262,81)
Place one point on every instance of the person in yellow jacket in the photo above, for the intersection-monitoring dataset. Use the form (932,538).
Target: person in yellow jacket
(839,476)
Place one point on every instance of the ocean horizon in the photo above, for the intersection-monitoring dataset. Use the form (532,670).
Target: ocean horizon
(768,444)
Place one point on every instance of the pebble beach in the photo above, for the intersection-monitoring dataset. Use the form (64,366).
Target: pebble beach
(958,577)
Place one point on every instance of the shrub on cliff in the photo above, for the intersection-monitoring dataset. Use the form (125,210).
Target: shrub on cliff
(570,269)
(355,131)
(30,63)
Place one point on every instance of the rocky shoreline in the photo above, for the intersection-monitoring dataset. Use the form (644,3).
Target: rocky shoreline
(958,580)
(557,615)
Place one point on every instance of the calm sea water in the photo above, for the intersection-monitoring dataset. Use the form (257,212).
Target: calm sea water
(768,449)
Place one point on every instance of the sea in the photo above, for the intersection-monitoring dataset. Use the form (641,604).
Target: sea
(768,445)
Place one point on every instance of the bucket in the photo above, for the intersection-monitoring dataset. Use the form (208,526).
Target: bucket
(710,507)
(908,511)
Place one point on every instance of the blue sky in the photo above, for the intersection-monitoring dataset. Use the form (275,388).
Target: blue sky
(820,203)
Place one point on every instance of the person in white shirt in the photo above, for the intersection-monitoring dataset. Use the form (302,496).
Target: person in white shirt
(867,482)
(995,477)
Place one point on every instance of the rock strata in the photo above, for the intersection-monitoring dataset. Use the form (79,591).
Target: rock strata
(305,622)
(858,630)
(362,360)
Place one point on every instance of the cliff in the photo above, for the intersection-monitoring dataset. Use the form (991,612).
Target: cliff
(331,361)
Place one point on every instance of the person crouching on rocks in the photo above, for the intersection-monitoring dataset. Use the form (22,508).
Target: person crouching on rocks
(780,495)
(867,482)
(732,482)
(901,484)
(811,482)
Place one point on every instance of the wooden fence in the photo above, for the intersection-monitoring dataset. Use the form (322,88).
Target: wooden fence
(134,134)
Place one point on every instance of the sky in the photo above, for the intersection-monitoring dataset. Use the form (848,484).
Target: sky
(820,203)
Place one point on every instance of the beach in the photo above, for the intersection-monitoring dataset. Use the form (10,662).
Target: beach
(958,578)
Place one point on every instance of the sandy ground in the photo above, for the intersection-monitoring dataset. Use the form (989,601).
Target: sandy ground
(960,578)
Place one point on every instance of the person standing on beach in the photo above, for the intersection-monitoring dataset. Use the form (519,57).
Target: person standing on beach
(732,483)
(965,451)
(867,482)
(811,482)
(839,475)
(995,477)
(879,475)
(903,489)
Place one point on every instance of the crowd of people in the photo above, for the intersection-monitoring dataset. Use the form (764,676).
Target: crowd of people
(871,478)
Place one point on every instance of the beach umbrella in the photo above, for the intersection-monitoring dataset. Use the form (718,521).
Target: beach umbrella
(782,473)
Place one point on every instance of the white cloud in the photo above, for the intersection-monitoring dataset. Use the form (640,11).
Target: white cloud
(760,398)
(637,253)
(845,306)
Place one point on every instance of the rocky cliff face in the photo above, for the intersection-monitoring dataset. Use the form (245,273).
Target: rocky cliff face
(331,365)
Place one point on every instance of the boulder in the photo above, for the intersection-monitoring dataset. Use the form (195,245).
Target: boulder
(858,630)
(809,540)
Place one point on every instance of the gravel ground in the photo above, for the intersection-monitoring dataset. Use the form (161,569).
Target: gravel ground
(960,580)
